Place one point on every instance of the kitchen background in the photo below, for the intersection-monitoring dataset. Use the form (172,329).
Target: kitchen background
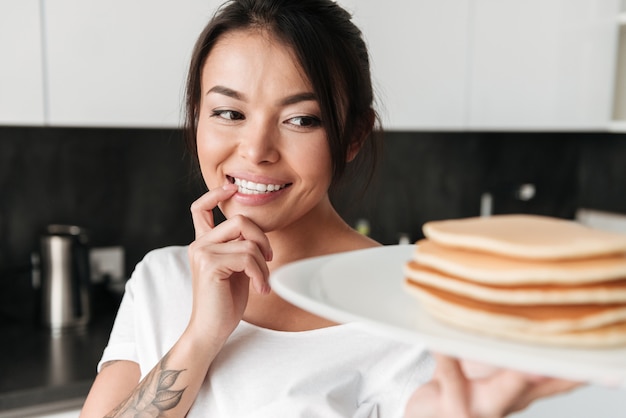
(133,187)
(90,109)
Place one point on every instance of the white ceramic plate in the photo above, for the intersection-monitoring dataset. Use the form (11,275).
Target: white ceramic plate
(367,286)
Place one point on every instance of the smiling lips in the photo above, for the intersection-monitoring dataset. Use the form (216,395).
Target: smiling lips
(250,187)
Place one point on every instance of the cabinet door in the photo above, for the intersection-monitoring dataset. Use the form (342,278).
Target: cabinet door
(21,72)
(619,101)
(419,60)
(118,62)
(542,64)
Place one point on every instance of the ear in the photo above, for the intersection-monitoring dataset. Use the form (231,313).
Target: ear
(353,150)
(361,133)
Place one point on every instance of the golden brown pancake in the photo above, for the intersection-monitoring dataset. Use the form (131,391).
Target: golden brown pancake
(519,294)
(575,326)
(526,236)
(490,268)
(523,277)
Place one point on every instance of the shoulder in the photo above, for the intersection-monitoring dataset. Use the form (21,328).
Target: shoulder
(154,309)
(162,268)
(172,257)
(348,239)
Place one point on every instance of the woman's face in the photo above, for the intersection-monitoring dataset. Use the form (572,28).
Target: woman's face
(259,127)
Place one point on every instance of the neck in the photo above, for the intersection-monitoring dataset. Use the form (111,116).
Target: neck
(309,237)
(319,233)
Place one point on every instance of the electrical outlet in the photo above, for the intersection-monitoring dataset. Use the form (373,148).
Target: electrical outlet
(106,262)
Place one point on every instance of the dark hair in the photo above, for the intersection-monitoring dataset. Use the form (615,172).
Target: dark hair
(332,53)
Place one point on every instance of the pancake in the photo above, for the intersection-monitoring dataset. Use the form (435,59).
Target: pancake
(533,294)
(595,326)
(526,236)
(488,268)
(523,277)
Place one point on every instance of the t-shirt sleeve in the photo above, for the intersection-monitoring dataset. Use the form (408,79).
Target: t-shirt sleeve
(121,345)
(419,375)
(394,381)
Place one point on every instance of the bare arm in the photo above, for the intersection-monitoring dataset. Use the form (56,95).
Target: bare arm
(223,260)
(168,390)
(116,379)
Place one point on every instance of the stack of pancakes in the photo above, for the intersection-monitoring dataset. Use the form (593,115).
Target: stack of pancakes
(523,277)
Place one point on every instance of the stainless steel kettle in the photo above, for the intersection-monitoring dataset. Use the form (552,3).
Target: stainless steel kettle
(65,278)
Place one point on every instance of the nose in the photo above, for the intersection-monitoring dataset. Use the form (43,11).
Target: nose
(258,143)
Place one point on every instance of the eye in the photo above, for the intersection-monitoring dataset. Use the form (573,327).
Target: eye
(305,121)
(227,114)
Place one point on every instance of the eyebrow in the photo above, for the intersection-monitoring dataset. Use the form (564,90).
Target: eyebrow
(289,100)
(297,98)
(226,92)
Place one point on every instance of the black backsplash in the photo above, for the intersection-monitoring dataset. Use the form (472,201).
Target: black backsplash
(133,187)
(128,187)
(426,176)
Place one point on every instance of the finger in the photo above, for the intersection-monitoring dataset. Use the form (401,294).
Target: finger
(246,265)
(541,389)
(220,260)
(424,402)
(245,257)
(453,385)
(516,390)
(202,209)
(510,385)
(240,228)
(477,370)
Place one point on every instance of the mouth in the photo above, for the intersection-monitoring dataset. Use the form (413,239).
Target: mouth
(250,187)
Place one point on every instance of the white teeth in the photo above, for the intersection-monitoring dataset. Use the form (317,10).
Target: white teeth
(250,187)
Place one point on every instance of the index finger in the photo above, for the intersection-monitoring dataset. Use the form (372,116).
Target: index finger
(452,380)
(202,208)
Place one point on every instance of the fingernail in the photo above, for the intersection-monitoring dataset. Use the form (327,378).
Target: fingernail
(230,186)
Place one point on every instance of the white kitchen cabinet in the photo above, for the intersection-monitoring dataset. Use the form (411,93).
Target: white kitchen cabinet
(542,64)
(619,103)
(437,64)
(21,71)
(118,62)
(492,64)
(419,60)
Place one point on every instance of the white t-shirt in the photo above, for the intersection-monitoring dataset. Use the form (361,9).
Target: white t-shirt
(341,371)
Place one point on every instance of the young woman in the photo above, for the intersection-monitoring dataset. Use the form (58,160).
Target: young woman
(279,101)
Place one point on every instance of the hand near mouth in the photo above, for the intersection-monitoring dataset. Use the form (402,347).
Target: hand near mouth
(224,259)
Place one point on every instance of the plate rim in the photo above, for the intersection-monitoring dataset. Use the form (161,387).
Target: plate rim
(294,281)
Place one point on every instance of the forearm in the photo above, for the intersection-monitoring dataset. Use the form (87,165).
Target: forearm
(172,385)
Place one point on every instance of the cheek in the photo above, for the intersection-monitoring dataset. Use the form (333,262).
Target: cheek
(210,152)
(317,161)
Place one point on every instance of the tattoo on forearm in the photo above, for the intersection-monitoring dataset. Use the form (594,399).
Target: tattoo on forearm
(154,395)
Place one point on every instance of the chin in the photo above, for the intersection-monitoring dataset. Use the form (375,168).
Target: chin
(262,221)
